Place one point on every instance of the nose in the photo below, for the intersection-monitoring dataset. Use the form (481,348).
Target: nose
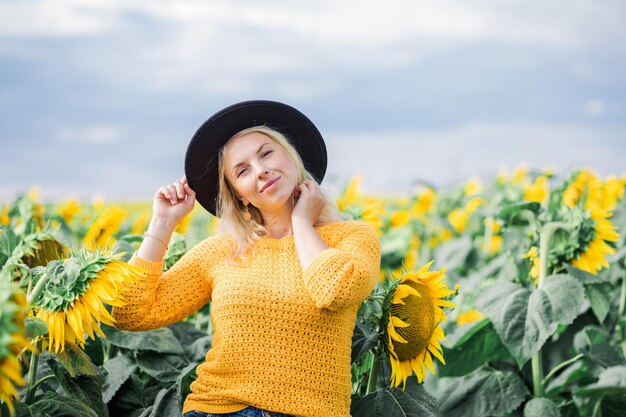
(261,171)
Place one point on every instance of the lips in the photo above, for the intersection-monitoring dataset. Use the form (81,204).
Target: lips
(267,184)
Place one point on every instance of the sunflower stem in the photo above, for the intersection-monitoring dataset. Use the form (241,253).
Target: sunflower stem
(621,319)
(544,252)
(38,288)
(32,376)
(42,380)
(372,382)
(488,234)
(530,217)
(561,366)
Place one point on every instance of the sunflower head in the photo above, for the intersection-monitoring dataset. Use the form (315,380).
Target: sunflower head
(13,308)
(74,293)
(593,251)
(355,206)
(68,209)
(101,231)
(537,191)
(413,323)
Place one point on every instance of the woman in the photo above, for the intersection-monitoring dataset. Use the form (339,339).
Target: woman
(285,275)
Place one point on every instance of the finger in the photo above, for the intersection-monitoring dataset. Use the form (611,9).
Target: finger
(173,193)
(189,191)
(163,192)
(180,192)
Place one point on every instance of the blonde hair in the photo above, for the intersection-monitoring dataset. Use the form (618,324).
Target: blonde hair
(230,209)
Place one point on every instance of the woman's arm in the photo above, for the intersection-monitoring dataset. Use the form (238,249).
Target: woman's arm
(159,299)
(344,275)
(162,298)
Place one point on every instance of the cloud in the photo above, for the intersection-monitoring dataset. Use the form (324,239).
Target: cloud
(594,107)
(96,135)
(391,162)
(223,48)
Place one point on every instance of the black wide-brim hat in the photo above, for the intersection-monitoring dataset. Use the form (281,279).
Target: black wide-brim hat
(201,159)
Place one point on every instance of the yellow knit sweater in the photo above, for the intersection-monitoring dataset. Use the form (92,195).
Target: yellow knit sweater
(282,337)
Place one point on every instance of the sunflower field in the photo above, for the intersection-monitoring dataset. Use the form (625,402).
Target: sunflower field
(506,298)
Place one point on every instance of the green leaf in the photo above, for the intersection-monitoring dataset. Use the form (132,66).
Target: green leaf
(478,345)
(86,389)
(597,345)
(118,370)
(541,407)
(393,402)
(363,340)
(52,404)
(600,296)
(166,403)
(525,319)
(578,371)
(394,245)
(34,327)
(164,368)
(482,393)
(158,340)
(196,343)
(605,398)
(76,361)
(510,213)
(132,395)
(584,277)
(454,253)
(186,377)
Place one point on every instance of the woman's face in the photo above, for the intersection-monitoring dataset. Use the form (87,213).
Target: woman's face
(260,171)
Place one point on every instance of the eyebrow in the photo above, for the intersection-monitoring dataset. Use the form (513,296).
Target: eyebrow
(234,169)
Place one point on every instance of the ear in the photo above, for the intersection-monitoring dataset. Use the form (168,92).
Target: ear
(244,201)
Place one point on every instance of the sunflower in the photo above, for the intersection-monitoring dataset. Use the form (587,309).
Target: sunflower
(12,340)
(183,224)
(459,218)
(424,202)
(4,216)
(473,186)
(68,209)
(469,317)
(413,329)
(537,191)
(612,193)
(400,218)
(592,259)
(103,228)
(72,300)
(583,183)
(492,242)
(358,207)
(533,257)
(141,222)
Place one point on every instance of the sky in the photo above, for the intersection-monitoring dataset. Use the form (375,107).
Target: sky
(101,98)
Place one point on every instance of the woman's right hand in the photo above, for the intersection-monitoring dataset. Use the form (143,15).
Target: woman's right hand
(173,202)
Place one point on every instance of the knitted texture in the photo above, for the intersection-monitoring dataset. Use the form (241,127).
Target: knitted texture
(282,337)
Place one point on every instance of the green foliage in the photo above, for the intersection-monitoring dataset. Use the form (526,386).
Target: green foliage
(525,319)
(471,347)
(481,393)
(393,402)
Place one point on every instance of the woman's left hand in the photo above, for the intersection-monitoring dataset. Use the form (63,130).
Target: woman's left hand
(309,202)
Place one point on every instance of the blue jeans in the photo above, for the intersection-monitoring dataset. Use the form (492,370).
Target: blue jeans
(246,412)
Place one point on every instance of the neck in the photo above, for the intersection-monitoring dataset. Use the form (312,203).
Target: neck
(278,223)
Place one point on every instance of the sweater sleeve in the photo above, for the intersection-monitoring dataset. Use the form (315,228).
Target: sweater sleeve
(345,275)
(162,298)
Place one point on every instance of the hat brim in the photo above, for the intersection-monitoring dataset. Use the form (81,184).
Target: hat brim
(201,159)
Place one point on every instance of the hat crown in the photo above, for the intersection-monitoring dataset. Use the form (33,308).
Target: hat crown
(201,158)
